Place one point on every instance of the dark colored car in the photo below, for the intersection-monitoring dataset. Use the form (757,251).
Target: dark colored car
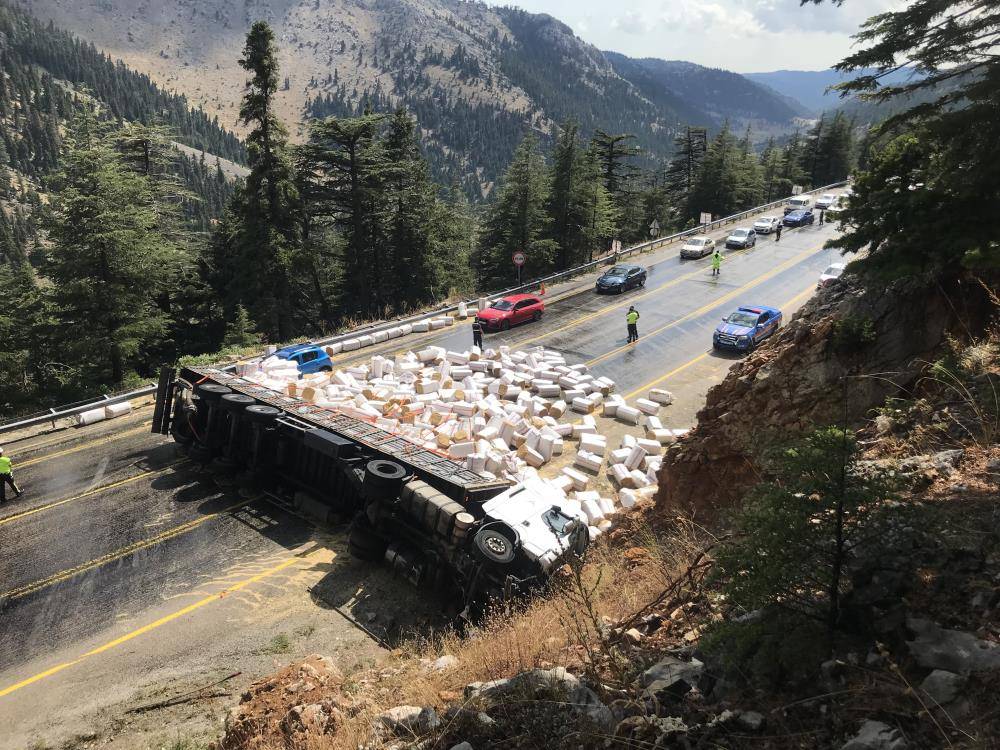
(621,278)
(509,311)
(743,329)
(799,218)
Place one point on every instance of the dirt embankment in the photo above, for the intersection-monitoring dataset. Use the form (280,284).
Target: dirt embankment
(841,356)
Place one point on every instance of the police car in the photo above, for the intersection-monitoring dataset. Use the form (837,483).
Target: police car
(745,328)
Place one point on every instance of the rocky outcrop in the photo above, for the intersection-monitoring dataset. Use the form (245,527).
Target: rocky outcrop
(844,353)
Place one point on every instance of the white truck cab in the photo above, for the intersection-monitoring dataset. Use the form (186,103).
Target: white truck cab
(798,203)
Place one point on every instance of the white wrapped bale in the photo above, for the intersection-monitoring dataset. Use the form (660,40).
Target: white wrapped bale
(620,455)
(91,416)
(592,443)
(662,436)
(588,461)
(351,345)
(635,456)
(117,410)
(640,479)
(334,349)
(533,457)
(394,333)
(580,480)
(463,311)
(650,446)
(646,406)
(628,414)
(379,336)
(421,326)
(607,506)
(583,405)
(621,475)
(406,328)
(627,498)
(651,423)
(661,396)
(592,510)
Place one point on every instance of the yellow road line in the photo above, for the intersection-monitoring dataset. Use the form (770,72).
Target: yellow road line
(144,427)
(151,626)
(716,302)
(88,493)
(793,301)
(119,553)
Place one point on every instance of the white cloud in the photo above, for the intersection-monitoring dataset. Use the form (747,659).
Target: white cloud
(741,35)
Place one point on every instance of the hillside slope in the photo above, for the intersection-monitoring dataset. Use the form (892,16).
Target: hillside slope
(476,76)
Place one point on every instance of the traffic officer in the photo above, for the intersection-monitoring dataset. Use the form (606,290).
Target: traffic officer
(717,262)
(477,333)
(6,477)
(631,318)
(777,232)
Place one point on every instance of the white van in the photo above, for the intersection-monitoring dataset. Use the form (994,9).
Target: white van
(798,203)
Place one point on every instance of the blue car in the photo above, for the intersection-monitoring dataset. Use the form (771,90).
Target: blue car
(744,329)
(308,357)
(798,218)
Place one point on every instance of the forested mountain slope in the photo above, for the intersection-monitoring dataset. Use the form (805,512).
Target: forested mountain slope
(476,77)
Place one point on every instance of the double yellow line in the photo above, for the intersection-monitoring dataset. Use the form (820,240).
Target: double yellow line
(77,448)
(117,554)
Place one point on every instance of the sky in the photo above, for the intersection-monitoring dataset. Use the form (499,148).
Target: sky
(745,36)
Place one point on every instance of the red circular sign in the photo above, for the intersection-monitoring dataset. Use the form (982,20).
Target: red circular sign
(518,258)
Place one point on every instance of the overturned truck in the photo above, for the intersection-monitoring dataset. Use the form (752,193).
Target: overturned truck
(433,521)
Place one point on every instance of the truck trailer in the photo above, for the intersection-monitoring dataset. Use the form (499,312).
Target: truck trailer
(433,521)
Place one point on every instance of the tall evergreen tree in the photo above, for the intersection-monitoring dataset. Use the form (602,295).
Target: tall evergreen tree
(255,269)
(108,261)
(690,146)
(518,220)
(615,154)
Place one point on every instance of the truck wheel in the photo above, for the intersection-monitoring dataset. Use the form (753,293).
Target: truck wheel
(383,479)
(496,543)
(261,414)
(363,542)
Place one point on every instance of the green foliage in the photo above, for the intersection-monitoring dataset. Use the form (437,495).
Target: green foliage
(240,331)
(852,334)
(910,207)
(109,259)
(796,530)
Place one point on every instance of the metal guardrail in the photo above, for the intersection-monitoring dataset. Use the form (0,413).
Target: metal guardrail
(654,244)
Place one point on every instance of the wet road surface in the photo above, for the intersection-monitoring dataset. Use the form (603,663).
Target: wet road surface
(115,524)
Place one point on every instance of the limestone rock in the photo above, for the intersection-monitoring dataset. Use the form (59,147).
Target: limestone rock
(874,735)
(578,695)
(942,686)
(951,650)
(409,719)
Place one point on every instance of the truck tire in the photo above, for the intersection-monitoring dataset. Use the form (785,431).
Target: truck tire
(236,402)
(212,392)
(496,543)
(363,542)
(383,479)
(261,414)
(199,453)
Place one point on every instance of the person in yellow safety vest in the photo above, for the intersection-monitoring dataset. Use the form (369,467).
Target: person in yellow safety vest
(717,263)
(631,318)
(6,477)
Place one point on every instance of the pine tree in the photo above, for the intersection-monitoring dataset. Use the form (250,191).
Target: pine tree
(256,269)
(615,154)
(518,221)
(22,329)
(240,331)
(108,259)
(690,146)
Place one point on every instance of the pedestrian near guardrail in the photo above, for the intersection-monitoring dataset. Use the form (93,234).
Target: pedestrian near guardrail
(7,477)
(632,320)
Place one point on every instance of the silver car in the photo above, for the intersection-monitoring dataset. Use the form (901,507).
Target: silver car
(697,247)
(766,224)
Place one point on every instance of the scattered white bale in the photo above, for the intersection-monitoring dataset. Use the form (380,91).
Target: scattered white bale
(621,475)
(594,532)
(607,506)
(593,443)
(661,396)
(421,326)
(406,328)
(640,478)
(483,303)
(628,414)
(627,498)
(365,340)
(583,405)
(620,455)
(681,432)
(436,323)
(533,457)
(350,345)
(334,349)
(562,482)
(461,450)
(91,415)
(449,321)
(592,510)
(117,410)
(635,456)
(651,423)
(588,460)
(662,436)
(646,406)
(463,311)
(379,336)
(580,480)
(650,446)
(629,441)
(605,525)
(557,409)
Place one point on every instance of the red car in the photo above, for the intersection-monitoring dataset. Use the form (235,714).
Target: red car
(509,311)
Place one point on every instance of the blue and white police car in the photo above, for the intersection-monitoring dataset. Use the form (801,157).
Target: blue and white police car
(745,328)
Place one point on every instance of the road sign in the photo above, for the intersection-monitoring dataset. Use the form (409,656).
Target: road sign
(706,217)
(518,259)
(796,189)
(616,246)
(654,228)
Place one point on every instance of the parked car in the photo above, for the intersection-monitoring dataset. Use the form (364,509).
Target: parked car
(798,203)
(741,237)
(621,278)
(697,247)
(798,218)
(308,357)
(831,274)
(745,328)
(826,200)
(766,224)
(509,311)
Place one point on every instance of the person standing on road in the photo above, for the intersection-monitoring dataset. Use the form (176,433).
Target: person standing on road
(777,232)
(822,216)
(6,477)
(477,333)
(717,262)
(632,318)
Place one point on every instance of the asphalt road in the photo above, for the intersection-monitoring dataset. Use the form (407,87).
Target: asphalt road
(115,526)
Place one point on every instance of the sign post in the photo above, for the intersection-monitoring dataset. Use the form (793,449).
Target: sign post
(706,218)
(518,259)
(796,189)
(654,229)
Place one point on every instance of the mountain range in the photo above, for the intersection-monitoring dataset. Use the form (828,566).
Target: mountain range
(477,77)
(810,88)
